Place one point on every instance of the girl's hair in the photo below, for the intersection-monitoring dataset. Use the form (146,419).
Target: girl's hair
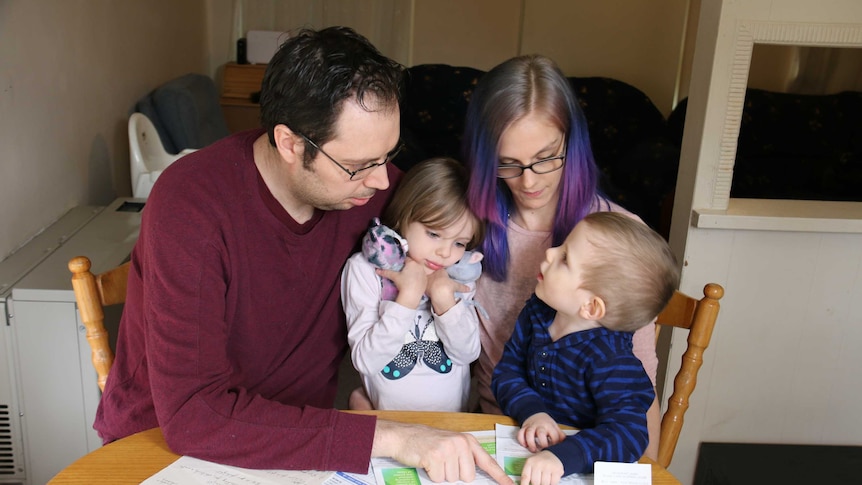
(434,193)
(508,93)
(635,272)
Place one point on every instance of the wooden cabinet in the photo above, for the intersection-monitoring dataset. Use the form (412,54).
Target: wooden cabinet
(239,83)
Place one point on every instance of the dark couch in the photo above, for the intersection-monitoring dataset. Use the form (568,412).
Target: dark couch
(794,146)
(628,133)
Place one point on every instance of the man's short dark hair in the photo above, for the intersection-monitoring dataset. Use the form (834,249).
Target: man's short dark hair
(314,72)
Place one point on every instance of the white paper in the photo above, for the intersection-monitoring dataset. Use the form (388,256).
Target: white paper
(345,478)
(191,471)
(607,473)
(511,456)
(501,443)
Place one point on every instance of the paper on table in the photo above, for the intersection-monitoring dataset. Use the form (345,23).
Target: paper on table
(345,478)
(511,456)
(607,473)
(391,472)
(192,471)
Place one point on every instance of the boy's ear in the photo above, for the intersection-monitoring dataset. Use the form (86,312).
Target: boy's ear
(593,309)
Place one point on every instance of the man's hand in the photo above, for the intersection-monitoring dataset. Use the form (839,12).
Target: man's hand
(444,455)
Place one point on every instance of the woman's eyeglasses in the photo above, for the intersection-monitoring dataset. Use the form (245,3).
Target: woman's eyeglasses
(543,166)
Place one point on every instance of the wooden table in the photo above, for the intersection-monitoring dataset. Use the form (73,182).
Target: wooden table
(135,458)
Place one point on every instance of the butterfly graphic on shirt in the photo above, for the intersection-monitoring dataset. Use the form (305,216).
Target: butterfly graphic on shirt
(423,344)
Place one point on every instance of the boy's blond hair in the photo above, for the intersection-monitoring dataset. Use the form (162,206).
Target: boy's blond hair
(634,271)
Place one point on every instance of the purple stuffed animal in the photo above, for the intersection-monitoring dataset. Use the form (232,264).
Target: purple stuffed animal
(385,249)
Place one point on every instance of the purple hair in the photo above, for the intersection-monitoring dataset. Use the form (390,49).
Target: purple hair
(505,94)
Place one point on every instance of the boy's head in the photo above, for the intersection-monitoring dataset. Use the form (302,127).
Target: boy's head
(612,269)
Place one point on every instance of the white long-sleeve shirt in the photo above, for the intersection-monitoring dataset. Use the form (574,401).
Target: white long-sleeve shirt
(378,332)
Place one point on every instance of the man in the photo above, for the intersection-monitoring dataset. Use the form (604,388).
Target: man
(232,332)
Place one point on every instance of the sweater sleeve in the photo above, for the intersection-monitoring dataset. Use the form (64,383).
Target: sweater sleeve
(623,393)
(375,328)
(203,408)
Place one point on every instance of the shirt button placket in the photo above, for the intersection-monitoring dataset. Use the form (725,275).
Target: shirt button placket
(543,369)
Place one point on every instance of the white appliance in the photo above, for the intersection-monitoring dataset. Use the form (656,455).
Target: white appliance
(48,390)
(263,44)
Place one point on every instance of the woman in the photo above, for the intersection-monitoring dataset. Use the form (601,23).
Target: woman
(532,179)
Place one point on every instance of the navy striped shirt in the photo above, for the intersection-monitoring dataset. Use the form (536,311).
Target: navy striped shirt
(589,379)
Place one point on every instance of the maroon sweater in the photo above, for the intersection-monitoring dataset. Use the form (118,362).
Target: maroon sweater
(233,332)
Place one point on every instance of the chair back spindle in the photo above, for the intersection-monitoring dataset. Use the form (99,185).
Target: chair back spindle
(92,294)
(698,317)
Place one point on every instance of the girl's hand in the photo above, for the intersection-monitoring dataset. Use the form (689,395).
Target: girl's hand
(410,281)
(539,431)
(441,289)
(542,469)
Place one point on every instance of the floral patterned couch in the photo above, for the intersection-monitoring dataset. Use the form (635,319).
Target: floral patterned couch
(629,134)
(794,146)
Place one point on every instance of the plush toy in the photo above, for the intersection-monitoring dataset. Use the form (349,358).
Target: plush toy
(386,249)
(468,269)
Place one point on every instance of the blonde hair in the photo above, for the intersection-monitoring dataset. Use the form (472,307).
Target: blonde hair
(635,272)
(433,193)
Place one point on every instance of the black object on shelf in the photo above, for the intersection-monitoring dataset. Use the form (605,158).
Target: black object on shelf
(241,51)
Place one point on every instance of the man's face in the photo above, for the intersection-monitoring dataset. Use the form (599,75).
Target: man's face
(361,138)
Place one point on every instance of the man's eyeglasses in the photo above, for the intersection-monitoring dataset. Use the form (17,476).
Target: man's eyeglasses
(362,172)
(543,166)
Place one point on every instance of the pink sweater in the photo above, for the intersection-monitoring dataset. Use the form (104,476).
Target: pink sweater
(233,332)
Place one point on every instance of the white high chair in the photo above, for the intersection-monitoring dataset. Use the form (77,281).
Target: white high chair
(148,156)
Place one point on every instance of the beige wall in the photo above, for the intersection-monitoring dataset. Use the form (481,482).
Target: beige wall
(386,23)
(639,42)
(477,33)
(69,73)
(636,41)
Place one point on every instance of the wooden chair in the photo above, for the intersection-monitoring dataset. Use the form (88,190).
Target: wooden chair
(698,317)
(92,293)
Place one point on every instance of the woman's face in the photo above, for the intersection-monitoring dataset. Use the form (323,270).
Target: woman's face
(525,141)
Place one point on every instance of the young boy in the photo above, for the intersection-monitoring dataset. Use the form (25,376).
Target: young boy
(570,359)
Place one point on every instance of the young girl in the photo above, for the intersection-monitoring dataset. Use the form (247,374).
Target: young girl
(414,352)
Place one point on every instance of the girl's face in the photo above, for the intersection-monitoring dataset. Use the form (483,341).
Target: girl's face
(438,248)
(525,141)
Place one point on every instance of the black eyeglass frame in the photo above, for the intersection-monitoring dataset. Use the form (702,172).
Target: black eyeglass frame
(532,166)
(352,173)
